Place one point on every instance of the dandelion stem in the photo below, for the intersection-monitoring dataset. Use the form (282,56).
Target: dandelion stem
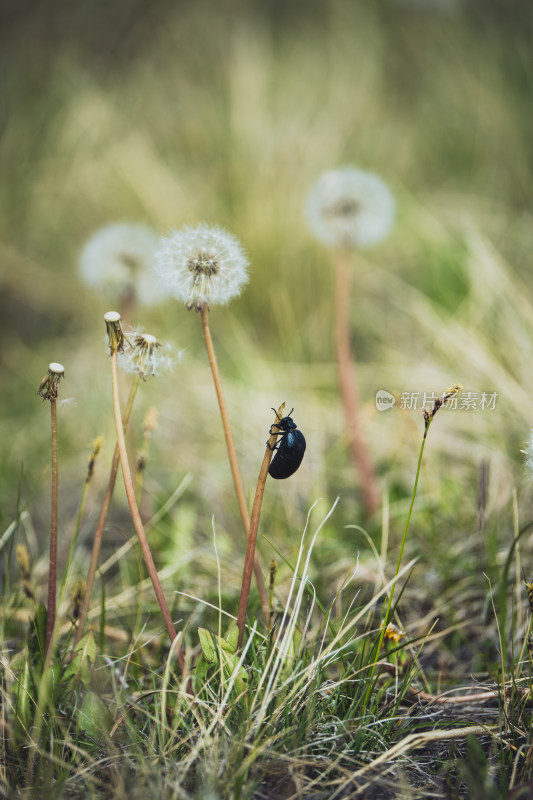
(252,534)
(52,574)
(97,541)
(136,517)
(232,455)
(349,388)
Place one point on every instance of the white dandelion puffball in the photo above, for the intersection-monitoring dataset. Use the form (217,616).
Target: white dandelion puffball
(350,208)
(119,258)
(202,266)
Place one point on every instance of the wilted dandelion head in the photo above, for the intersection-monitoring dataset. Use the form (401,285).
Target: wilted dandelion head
(147,356)
(49,385)
(115,334)
(118,259)
(350,208)
(203,266)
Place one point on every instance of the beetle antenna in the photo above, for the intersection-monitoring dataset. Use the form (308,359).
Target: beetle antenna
(276,413)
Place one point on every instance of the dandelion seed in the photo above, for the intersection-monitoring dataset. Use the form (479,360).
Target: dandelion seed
(147,356)
(202,266)
(67,402)
(350,208)
(118,259)
(528,452)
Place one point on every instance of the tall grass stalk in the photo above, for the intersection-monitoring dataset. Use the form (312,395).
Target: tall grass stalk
(429,416)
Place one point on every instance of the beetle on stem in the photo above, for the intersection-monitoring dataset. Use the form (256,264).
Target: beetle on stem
(289,450)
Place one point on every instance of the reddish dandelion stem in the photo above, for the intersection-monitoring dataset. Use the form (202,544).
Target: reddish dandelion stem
(349,388)
(136,517)
(252,533)
(232,455)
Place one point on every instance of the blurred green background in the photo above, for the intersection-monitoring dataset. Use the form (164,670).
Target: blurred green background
(171,113)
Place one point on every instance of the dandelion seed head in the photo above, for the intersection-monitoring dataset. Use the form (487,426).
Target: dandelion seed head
(201,266)
(351,208)
(147,357)
(118,258)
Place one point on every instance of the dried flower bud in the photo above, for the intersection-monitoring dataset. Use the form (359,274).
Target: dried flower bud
(78,595)
(529,590)
(49,385)
(114,332)
(393,633)
(439,402)
(97,446)
(23,560)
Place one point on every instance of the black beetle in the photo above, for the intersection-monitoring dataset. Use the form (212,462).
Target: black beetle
(289,450)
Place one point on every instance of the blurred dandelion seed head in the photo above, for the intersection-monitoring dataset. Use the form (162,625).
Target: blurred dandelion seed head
(147,356)
(118,258)
(350,208)
(202,266)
